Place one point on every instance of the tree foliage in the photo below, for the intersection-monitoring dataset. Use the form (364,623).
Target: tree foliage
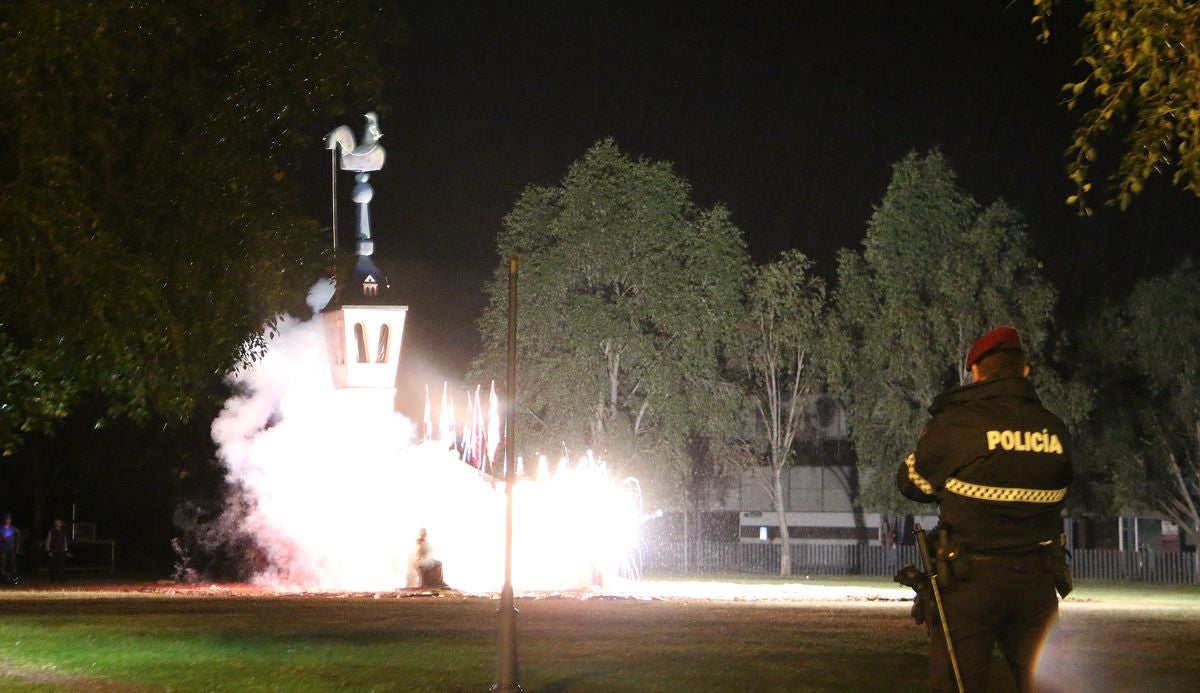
(1145,353)
(1142,83)
(777,342)
(149,219)
(936,270)
(627,294)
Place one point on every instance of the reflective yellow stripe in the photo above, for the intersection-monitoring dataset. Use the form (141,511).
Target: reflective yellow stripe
(919,481)
(1003,494)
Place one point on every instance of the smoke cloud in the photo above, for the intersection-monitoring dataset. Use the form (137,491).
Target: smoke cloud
(332,485)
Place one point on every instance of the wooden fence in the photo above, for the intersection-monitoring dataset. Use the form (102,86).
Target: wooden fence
(850,559)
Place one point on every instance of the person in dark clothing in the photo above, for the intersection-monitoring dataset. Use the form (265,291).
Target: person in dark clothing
(10,541)
(57,546)
(998,464)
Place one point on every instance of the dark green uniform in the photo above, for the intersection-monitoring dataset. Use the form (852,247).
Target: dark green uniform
(998,464)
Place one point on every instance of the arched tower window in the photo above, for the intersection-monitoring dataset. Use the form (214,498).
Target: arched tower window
(360,337)
(370,287)
(381,355)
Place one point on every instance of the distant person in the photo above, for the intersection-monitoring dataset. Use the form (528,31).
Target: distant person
(428,568)
(10,540)
(57,546)
(998,464)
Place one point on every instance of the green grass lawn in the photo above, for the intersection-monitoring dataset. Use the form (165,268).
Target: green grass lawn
(1111,638)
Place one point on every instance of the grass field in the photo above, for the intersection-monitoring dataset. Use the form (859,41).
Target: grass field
(96,638)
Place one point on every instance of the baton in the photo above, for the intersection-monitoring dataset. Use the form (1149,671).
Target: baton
(931,571)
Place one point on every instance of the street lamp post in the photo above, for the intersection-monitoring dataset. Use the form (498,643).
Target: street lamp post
(506,659)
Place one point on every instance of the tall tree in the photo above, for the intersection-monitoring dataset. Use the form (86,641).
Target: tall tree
(1142,83)
(150,223)
(1145,354)
(627,295)
(936,270)
(776,345)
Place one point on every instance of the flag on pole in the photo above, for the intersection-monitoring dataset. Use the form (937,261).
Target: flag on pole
(468,432)
(427,419)
(493,427)
(478,432)
(446,420)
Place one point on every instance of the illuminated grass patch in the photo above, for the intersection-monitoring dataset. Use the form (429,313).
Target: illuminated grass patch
(136,642)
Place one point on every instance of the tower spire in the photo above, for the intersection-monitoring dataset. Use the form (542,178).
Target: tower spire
(363,327)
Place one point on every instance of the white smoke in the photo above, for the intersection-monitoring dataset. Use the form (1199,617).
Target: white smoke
(332,488)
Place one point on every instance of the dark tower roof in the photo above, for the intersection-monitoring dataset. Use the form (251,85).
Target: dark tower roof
(365,285)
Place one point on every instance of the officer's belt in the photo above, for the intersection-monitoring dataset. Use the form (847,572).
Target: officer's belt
(1007,551)
(989,555)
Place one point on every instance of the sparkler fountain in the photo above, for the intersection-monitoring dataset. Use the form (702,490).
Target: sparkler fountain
(331,485)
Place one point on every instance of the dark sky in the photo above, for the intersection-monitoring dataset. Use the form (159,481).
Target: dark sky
(789,113)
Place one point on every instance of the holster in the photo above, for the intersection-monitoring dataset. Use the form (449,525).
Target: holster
(1056,561)
(952,563)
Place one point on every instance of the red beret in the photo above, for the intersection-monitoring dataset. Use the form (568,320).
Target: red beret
(1003,337)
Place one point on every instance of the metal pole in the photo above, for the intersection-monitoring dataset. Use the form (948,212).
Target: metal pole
(686,538)
(931,571)
(506,659)
(333,191)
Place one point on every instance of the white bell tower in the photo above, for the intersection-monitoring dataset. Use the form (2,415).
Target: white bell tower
(363,328)
(365,341)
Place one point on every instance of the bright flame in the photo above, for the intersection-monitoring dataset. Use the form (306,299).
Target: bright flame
(333,489)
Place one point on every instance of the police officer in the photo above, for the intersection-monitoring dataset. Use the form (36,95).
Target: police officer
(998,464)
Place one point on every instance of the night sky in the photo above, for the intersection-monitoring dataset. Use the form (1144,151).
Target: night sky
(790,114)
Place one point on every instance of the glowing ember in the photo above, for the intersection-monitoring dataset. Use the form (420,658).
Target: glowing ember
(333,487)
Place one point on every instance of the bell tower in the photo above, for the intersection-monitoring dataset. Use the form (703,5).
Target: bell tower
(363,326)
(365,343)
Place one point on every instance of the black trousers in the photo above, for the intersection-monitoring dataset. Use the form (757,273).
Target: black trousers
(8,563)
(1007,601)
(58,567)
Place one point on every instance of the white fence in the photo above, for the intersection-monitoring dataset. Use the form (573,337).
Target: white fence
(851,559)
(1150,566)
